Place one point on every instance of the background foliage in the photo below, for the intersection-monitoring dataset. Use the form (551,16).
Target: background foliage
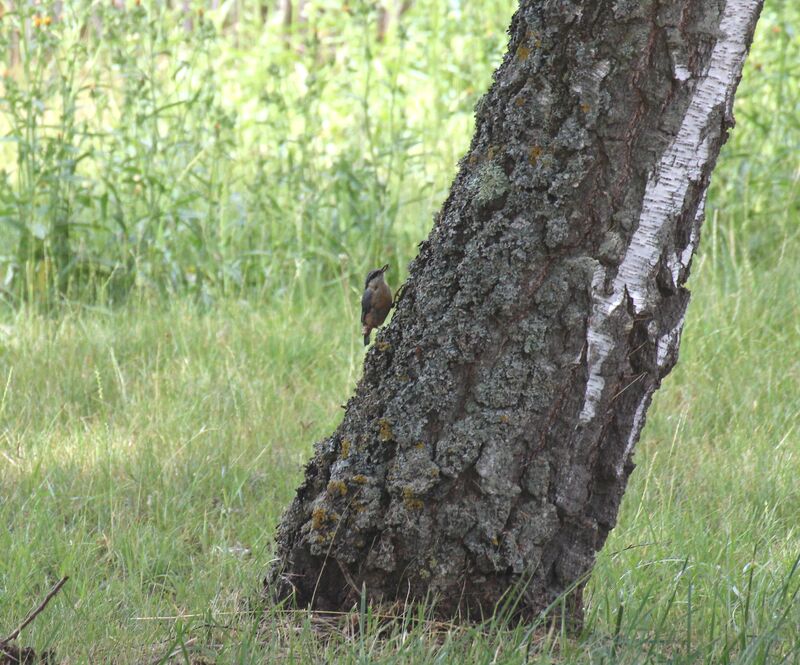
(188,203)
(180,152)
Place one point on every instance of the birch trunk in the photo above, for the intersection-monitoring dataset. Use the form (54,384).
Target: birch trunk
(490,440)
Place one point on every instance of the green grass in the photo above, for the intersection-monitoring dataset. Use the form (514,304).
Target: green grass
(147,449)
(229,159)
(148,452)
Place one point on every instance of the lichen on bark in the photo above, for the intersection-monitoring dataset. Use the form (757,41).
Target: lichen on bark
(489,441)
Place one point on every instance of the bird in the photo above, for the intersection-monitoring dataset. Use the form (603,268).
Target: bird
(376,302)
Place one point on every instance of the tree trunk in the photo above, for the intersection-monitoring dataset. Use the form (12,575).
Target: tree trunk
(489,442)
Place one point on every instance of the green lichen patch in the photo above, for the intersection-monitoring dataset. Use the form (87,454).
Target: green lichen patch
(489,184)
(556,232)
(535,329)
(480,106)
(536,480)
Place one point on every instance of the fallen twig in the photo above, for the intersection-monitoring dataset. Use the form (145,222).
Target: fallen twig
(35,612)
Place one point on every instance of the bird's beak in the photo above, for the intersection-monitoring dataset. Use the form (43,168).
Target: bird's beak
(385,268)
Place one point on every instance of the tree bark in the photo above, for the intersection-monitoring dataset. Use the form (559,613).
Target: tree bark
(489,442)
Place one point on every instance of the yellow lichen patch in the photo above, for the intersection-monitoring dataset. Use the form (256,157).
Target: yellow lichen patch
(384,346)
(504,419)
(491,152)
(585,107)
(523,52)
(419,445)
(534,154)
(318,517)
(410,500)
(495,541)
(519,101)
(385,430)
(337,488)
(345,448)
(360,479)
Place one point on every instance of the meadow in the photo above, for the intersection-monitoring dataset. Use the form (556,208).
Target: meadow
(188,203)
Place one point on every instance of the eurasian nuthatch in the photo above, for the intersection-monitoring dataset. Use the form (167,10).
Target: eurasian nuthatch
(376,301)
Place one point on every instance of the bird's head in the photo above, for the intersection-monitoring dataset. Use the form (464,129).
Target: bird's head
(377,273)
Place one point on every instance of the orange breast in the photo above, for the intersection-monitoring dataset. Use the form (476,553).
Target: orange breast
(381,304)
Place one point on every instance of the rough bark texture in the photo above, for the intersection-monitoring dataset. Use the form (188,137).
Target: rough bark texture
(490,440)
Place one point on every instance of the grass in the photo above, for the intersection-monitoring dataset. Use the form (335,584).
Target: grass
(152,429)
(148,452)
(228,159)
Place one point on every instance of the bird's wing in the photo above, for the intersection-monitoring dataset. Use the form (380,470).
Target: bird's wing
(366,304)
